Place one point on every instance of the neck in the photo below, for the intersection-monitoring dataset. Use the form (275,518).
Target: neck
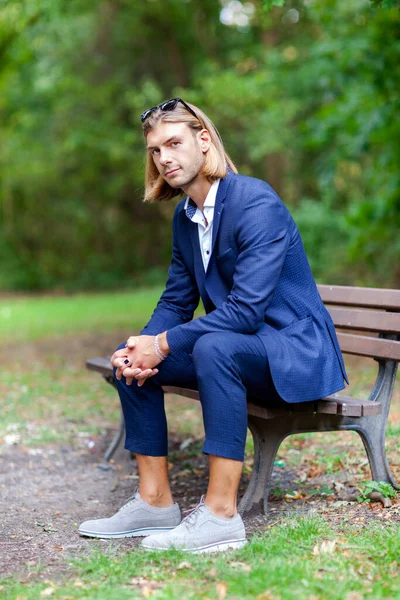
(198,190)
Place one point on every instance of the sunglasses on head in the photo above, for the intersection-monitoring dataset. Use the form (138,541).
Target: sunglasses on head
(166,106)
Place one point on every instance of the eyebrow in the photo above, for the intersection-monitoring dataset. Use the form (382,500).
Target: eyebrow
(166,142)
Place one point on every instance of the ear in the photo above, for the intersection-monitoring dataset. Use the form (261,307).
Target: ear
(204,139)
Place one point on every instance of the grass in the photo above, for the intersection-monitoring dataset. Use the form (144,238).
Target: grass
(302,558)
(33,318)
(50,404)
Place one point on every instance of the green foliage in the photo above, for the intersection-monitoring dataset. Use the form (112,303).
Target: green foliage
(305,96)
(325,234)
(386,3)
(268,4)
(384,488)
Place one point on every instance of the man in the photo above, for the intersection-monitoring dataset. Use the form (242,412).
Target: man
(266,332)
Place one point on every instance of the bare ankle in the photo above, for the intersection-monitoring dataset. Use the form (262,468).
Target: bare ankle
(221,509)
(157,498)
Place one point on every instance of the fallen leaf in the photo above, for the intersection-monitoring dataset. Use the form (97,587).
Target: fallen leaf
(221,588)
(47,592)
(267,595)
(186,443)
(139,581)
(183,565)
(325,547)
(293,495)
(246,568)
(198,471)
(354,596)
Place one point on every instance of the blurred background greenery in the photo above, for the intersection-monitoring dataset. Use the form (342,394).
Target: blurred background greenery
(305,95)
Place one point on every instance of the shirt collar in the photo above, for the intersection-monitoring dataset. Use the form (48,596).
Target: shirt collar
(191,207)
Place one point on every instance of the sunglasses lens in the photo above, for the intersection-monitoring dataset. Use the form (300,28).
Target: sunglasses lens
(146,114)
(169,104)
(166,106)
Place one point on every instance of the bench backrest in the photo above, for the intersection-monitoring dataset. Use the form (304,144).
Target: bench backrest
(364,311)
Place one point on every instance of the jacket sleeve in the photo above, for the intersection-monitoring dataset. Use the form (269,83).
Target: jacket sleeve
(180,297)
(263,240)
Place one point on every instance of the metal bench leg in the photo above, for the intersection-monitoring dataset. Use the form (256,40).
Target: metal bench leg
(372,429)
(105,466)
(267,439)
(372,433)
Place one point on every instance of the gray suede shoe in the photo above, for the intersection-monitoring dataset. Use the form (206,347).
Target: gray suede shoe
(135,518)
(201,531)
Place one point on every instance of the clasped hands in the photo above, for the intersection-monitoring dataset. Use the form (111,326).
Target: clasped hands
(137,360)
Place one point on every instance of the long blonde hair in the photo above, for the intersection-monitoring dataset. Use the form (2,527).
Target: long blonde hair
(216,161)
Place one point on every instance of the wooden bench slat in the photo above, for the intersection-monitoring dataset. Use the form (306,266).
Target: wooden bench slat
(337,404)
(359,296)
(169,389)
(100,364)
(368,408)
(365,320)
(369,346)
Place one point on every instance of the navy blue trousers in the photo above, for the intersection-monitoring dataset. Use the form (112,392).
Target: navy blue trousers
(225,368)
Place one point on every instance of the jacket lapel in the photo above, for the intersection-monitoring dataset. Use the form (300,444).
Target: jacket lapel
(219,206)
(214,288)
(198,262)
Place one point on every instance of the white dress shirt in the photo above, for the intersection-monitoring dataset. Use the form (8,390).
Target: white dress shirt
(204,221)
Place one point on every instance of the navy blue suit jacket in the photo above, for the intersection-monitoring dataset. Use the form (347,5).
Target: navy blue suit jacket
(258,282)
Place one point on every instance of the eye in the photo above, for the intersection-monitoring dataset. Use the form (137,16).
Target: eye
(155,151)
(175,144)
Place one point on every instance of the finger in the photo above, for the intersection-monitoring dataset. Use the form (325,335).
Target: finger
(118,374)
(122,363)
(131,343)
(141,378)
(144,374)
(131,372)
(118,354)
(144,379)
(126,372)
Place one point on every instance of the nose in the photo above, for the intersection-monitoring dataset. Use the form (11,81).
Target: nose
(164,157)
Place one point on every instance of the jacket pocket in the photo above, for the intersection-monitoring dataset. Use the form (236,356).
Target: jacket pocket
(296,323)
(226,254)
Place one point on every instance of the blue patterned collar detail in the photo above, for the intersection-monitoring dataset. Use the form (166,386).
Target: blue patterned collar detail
(190,208)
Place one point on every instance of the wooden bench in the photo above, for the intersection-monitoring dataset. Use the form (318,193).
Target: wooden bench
(368,321)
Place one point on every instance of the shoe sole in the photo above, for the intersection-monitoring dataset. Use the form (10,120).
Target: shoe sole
(216,547)
(145,532)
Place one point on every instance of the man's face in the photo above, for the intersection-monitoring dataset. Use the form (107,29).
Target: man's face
(178,152)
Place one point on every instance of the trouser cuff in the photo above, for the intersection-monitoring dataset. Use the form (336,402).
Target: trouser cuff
(145,448)
(234,452)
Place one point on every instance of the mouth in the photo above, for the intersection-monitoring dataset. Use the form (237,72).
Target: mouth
(169,173)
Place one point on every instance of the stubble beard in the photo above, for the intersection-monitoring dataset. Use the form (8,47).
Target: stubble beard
(190,178)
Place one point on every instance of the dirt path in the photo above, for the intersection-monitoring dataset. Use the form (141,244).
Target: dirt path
(46,493)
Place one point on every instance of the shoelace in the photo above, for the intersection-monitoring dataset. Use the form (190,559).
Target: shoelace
(129,501)
(193,513)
